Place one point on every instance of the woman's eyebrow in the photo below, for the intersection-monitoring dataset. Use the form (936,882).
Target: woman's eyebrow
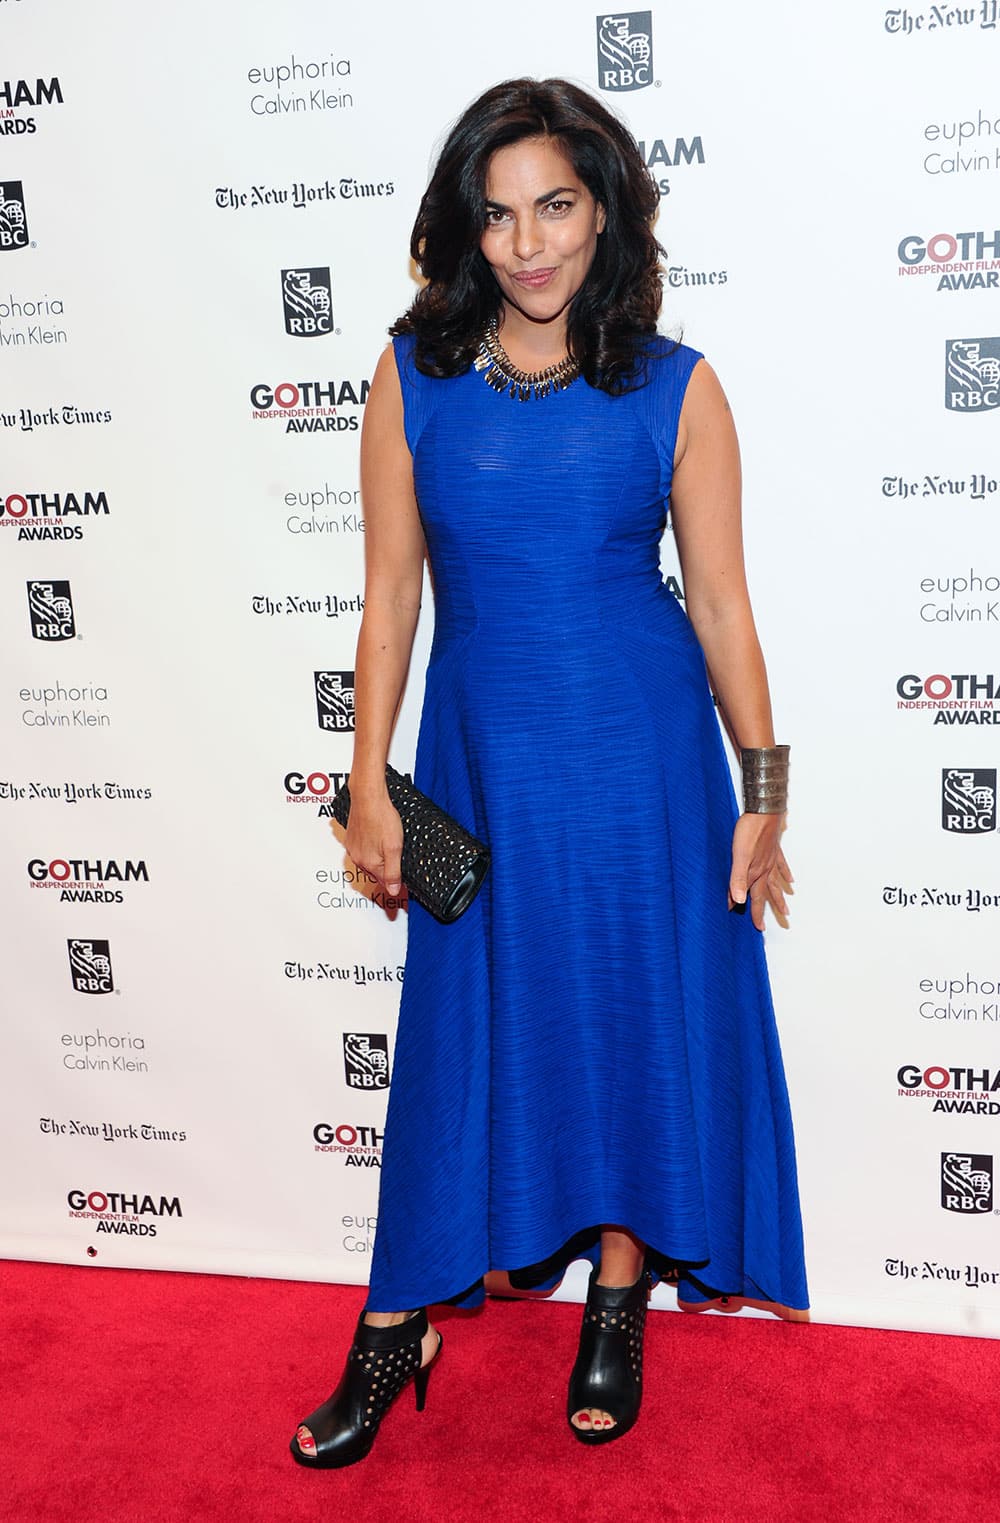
(498,206)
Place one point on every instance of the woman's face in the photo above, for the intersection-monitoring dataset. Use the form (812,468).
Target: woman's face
(541,231)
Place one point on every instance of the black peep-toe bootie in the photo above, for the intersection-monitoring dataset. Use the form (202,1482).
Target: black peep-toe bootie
(381,1361)
(608,1369)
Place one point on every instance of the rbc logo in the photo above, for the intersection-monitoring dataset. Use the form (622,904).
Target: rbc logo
(366,1060)
(967,1183)
(90,967)
(13,220)
(969,800)
(335,700)
(972,374)
(308,302)
(50,605)
(625,51)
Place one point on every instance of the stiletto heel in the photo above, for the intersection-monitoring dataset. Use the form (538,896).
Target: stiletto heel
(420,1382)
(608,1369)
(380,1362)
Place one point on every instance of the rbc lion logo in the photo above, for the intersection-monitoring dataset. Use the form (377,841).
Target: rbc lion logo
(967,1183)
(335,700)
(625,50)
(90,967)
(366,1060)
(13,221)
(308,301)
(972,378)
(50,605)
(969,800)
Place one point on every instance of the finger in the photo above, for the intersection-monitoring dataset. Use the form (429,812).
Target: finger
(775,893)
(776,897)
(783,867)
(390,873)
(745,876)
(757,894)
(780,919)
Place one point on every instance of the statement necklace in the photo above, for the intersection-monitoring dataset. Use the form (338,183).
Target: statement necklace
(502,374)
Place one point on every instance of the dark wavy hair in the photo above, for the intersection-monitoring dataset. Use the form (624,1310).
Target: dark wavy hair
(613,315)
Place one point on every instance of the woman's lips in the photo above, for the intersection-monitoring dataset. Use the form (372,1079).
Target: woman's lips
(534,279)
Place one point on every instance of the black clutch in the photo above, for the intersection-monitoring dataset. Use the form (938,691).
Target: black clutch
(443,865)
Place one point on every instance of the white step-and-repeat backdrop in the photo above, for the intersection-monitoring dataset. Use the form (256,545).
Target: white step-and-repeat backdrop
(204,222)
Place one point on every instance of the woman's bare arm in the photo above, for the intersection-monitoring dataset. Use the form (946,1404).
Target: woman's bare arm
(394,557)
(705,508)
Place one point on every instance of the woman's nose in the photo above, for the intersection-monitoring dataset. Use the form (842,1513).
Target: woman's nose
(527,240)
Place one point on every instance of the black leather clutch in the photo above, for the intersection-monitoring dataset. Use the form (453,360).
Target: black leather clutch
(443,866)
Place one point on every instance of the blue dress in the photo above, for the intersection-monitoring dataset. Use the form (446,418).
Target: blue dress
(593,1041)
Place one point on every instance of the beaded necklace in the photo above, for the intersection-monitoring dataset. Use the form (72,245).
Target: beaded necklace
(500,372)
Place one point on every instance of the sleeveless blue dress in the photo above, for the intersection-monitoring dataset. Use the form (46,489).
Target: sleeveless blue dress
(593,1041)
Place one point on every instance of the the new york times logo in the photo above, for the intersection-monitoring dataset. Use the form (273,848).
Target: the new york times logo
(972,374)
(967,1183)
(366,1060)
(335,700)
(50,605)
(308,301)
(13,217)
(969,800)
(625,50)
(90,967)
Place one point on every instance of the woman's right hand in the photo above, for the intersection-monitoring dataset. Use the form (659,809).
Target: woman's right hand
(375,839)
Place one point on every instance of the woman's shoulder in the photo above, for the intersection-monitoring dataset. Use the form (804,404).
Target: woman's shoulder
(406,352)
(665,353)
(666,366)
(403,346)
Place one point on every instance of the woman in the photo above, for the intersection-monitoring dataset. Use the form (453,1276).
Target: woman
(586,1062)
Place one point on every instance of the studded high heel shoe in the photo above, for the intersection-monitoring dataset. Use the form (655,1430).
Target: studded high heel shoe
(380,1362)
(608,1369)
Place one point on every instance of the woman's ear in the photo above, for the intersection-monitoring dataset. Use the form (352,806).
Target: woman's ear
(601,218)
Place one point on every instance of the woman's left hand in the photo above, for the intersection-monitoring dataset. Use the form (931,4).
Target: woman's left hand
(760,872)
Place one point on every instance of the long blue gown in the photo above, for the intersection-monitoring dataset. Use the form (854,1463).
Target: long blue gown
(593,1041)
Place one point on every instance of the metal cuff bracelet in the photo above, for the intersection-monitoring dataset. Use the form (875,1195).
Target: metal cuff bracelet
(765,780)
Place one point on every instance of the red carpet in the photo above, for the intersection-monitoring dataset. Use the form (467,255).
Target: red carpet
(137,1397)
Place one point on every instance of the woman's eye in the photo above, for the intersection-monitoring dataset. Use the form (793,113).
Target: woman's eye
(494,217)
(559,207)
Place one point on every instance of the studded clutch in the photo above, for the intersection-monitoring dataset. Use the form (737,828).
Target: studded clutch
(443,865)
